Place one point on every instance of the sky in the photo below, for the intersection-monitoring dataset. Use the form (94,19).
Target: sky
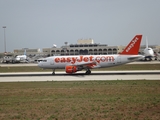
(42,23)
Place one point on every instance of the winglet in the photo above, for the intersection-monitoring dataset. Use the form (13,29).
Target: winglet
(133,47)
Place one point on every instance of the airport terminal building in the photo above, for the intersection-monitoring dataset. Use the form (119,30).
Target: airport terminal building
(88,47)
(83,47)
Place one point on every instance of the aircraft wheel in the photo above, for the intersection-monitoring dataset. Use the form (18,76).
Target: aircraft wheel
(53,73)
(88,72)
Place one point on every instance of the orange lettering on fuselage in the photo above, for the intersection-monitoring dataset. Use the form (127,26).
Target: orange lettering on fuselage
(73,60)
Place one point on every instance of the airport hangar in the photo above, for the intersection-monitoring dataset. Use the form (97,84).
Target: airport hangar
(83,47)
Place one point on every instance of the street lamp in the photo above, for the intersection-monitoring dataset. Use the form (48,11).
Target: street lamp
(4,39)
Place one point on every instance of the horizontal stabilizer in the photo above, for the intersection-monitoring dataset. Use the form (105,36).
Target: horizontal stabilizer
(135,58)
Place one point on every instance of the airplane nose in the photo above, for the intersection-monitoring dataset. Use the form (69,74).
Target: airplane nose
(40,64)
(151,53)
(17,59)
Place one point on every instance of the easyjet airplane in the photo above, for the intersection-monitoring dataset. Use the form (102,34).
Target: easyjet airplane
(72,64)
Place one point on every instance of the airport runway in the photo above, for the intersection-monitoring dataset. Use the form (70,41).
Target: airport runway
(80,76)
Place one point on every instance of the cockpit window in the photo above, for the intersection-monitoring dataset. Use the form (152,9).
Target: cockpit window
(42,60)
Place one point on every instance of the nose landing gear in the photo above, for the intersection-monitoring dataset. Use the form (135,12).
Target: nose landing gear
(53,72)
(88,71)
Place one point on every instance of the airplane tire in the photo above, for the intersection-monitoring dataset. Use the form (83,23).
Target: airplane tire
(88,72)
(53,73)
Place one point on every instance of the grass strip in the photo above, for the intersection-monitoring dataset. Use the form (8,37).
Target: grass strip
(106,100)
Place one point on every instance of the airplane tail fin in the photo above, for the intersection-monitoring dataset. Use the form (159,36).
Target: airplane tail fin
(25,52)
(133,47)
(146,43)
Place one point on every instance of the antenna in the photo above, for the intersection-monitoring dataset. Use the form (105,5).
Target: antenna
(54,45)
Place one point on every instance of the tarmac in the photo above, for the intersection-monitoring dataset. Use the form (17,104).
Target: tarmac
(80,76)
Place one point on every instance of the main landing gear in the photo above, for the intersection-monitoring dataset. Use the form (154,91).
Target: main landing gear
(88,71)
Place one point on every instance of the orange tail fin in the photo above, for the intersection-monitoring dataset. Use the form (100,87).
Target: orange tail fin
(133,47)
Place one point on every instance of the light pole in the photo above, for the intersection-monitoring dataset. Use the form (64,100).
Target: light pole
(4,40)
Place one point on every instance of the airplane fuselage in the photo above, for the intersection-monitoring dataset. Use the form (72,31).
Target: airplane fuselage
(20,58)
(96,61)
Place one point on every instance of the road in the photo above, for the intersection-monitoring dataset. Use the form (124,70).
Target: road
(96,75)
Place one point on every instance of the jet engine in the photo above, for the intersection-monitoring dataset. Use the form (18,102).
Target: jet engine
(71,69)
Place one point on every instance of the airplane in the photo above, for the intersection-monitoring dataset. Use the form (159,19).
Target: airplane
(21,58)
(17,59)
(72,64)
(148,52)
(7,59)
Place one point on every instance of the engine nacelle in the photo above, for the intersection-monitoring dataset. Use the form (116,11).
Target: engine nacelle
(71,69)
